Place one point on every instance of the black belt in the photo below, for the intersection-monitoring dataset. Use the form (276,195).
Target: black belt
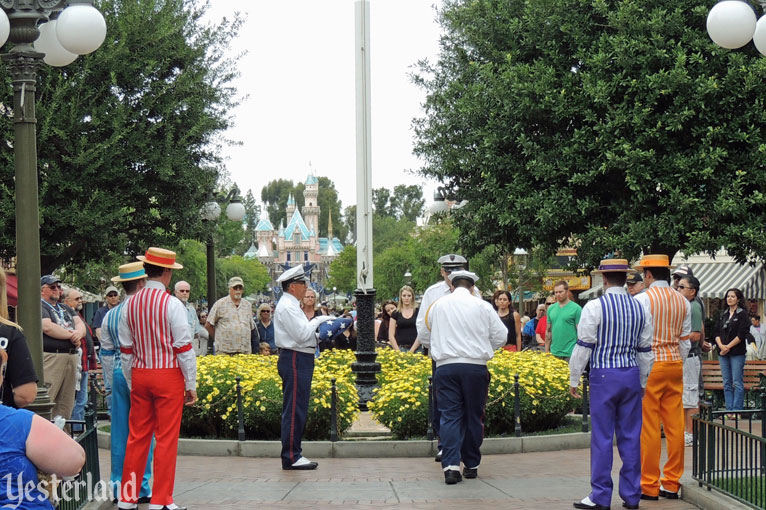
(62,351)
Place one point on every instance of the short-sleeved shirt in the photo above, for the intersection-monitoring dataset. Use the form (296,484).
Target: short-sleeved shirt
(64,317)
(696,316)
(233,325)
(542,325)
(564,322)
(20,369)
(18,474)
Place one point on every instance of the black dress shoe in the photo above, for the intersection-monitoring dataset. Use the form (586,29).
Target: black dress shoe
(438,457)
(668,495)
(301,467)
(144,499)
(629,506)
(649,498)
(452,476)
(470,472)
(594,506)
(176,508)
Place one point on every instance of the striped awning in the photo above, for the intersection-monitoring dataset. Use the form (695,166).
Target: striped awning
(592,293)
(717,277)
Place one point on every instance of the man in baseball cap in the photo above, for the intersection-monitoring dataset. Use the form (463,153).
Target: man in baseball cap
(230,321)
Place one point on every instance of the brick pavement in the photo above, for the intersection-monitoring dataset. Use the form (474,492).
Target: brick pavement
(524,481)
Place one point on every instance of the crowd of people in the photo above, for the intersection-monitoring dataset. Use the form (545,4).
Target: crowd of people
(641,343)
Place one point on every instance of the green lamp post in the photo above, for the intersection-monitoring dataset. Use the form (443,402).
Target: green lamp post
(54,32)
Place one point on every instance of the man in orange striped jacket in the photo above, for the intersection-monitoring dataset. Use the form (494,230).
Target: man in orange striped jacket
(671,315)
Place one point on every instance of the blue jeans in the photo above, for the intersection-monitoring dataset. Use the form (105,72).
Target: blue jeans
(80,400)
(733,372)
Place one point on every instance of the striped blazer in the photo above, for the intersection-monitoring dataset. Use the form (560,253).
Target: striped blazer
(671,315)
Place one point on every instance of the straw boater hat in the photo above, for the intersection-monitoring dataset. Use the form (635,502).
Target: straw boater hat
(613,266)
(649,261)
(160,257)
(129,272)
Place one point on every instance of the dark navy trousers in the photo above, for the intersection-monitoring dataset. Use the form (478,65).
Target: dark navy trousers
(296,370)
(615,406)
(436,414)
(462,396)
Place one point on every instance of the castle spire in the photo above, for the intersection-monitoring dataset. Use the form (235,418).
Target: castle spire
(329,225)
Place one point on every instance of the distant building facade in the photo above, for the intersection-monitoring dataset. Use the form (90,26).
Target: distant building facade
(297,242)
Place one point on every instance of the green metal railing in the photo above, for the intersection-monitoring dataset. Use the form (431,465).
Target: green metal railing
(74,494)
(729,455)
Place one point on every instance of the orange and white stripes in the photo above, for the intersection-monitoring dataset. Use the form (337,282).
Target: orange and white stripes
(668,309)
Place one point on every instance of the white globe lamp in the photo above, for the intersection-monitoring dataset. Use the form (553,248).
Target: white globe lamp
(235,211)
(759,37)
(5,27)
(47,43)
(211,211)
(81,29)
(731,24)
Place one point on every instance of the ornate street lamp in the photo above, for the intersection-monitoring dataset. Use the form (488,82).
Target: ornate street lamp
(732,24)
(365,366)
(210,212)
(74,27)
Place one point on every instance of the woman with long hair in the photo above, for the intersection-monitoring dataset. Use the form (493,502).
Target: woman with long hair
(19,387)
(731,329)
(309,303)
(401,329)
(383,320)
(510,317)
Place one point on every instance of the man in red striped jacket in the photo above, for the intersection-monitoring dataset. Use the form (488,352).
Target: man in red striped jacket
(160,367)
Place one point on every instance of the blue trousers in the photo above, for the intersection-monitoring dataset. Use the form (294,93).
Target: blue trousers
(120,414)
(615,409)
(80,400)
(462,390)
(107,383)
(733,373)
(437,415)
(296,370)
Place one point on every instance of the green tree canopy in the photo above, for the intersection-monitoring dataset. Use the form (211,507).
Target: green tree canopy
(128,136)
(609,126)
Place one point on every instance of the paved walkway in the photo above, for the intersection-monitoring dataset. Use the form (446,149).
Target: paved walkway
(528,481)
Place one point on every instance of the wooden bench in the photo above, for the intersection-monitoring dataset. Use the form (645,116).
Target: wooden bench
(713,379)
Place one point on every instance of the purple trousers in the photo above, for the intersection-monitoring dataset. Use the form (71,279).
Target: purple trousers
(615,409)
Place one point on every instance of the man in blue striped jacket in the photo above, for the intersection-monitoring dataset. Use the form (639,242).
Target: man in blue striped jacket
(615,335)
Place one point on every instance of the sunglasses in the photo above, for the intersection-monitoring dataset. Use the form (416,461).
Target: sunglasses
(54,286)
(684,287)
(111,294)
(265,311)
(238,287)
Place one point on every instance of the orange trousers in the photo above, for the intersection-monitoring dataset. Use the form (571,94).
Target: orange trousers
(663,404)
(156,406)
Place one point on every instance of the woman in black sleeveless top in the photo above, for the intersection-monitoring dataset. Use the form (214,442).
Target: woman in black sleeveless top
(401,329)
(512,320)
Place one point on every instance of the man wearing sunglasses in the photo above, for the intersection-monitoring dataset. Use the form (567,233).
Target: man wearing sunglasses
(63,331)
(182,290)
(112,298)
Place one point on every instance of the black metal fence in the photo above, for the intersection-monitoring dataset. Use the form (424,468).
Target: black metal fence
(75,493)
(729,452)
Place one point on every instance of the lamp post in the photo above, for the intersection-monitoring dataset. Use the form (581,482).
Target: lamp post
(65,29)
(210,212)
(334,301)
(365,366)
(520,260)
(732,24)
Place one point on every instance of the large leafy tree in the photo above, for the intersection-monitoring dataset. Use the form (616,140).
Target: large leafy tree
(128,136)
(612,126)
(407,202)
(274,196)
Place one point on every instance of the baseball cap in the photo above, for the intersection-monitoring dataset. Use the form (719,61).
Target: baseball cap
(683,270)
(633,278)
(235,280)
(49,279)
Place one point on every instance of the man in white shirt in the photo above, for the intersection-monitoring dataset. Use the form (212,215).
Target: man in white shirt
(462,333)
(758,331)
(449,262)
(296,338)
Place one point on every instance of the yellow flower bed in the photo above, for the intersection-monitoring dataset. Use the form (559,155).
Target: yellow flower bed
(216,411)
(401,403)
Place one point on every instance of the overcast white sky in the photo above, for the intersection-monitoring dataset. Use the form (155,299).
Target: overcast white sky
(299,79)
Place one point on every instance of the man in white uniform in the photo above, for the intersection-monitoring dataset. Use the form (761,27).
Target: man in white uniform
(462,333)
(296,338)
(450,262)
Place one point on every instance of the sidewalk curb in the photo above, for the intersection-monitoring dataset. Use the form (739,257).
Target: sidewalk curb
(369,449)
(706,499)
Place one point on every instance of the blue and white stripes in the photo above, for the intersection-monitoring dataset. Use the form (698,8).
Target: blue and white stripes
(622,319)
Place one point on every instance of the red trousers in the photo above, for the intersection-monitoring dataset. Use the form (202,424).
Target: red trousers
(156,406)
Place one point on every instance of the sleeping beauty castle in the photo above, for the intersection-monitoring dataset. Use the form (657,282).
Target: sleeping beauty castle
(298,242)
